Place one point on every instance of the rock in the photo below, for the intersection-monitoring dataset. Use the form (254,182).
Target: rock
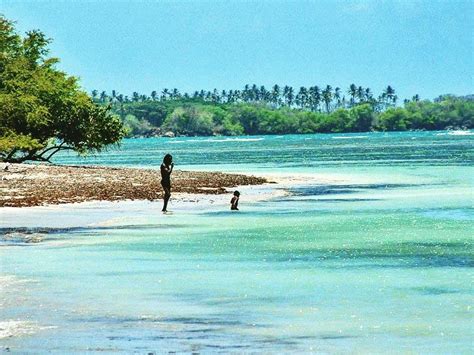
(169,134)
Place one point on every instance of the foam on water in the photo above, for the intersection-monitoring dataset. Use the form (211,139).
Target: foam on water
(350,137)
(216,140)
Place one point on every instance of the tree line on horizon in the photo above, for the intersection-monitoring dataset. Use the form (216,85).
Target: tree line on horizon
(280,110)
(312,98)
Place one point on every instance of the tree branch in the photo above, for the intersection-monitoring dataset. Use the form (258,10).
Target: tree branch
(55,149)
(11,154)
(51,148)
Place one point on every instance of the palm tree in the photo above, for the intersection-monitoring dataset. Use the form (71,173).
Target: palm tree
(390,94)
(314,97)
(275,95)
(135,96)
(263,94)
(368,95)
(416,98)
(353,92)
(103,96)
(215,96)
(231,96)
(94,94)
(343,101)
(327,97)
(302,97)
(246,93)
(288,95)
(360,94)
(153,95)
(114,96)
(164,94)
(254,93)
(337,96)
(369,98)
(237,95)
(381,102)
(175,94)
(120,99)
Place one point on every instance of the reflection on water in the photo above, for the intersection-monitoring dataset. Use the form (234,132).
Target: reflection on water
(379,252)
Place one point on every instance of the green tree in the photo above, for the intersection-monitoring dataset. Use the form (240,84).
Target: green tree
(103,97)
(327,97)
(248,117)
(43,109)
(301,98)
(289,95)
(335,122)
(189,120)
(353,94)
(314,97)
(394,119)
(337,97)
(361,118)
(275,95)
(390,95)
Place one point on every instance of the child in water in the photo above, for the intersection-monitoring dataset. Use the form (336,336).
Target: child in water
(235,201)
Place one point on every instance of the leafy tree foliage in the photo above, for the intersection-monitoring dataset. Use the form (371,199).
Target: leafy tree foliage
(42,109)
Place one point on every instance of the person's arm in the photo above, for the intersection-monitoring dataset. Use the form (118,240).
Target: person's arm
(167,169)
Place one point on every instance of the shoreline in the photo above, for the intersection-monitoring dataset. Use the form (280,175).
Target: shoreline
(28,185)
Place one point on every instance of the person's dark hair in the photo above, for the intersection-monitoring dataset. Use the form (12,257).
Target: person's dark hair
(236,193)
(167,159)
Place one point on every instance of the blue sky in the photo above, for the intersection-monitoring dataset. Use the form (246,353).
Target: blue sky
(418,47)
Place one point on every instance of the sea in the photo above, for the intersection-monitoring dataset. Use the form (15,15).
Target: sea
(367,248)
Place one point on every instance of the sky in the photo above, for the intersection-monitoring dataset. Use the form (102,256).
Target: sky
(418,47)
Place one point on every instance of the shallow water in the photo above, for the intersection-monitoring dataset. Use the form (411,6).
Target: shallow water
(372,252)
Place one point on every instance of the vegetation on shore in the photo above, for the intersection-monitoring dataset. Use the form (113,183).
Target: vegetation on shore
(42,109)
(280,110)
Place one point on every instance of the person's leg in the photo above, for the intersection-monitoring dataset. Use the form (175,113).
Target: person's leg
(166,197)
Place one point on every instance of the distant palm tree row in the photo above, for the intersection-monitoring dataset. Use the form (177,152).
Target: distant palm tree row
(314,98)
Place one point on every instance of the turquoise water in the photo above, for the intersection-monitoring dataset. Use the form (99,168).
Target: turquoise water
(369,251)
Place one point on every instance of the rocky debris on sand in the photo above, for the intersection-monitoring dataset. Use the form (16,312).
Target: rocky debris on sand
(33,185)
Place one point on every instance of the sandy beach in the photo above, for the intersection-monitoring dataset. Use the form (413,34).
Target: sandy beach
(23,185)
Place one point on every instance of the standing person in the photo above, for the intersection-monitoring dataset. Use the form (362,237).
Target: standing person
(234,203)
(166,170)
